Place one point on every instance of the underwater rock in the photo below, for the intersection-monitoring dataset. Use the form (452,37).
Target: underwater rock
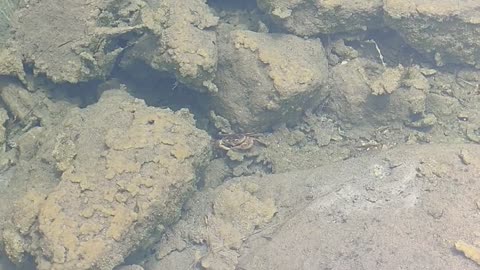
(308,18)
(364,93)
(125,170)
(349,91)
(178,42)
(446,31)
(70,41)
(217,223)
(7,9)
(323,213)
(268,79)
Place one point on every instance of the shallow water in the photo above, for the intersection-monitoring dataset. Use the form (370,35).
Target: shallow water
(120,118)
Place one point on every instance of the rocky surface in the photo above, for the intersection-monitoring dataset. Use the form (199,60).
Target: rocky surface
(125,171)
(179,42)
(446,30)
(402,208)
(68,41)
(215,228)
(390,210)
(310,18)
(7,10)
(365,92)
(99,179)
(266,79)
(79,42)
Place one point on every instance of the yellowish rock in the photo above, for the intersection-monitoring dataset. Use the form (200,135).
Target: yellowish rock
(470,251)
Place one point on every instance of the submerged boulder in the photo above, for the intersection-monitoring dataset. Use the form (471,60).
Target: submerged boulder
(267,79)
(125,171)
(178,42)
(447,31)
(69,41)
(366,93)
(307,18)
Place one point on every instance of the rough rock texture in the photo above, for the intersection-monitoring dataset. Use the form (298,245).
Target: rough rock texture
(267,79)
(30,109)
(399,209)
(447,31)
(307,18)
(7,9)
(365,92)
(125,169)
(179,42)
(22,167)
(210,236)
(72,41)
(404,208)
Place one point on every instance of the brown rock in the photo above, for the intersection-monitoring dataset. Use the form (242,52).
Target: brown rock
(307,18)
(267,79)
(131,169)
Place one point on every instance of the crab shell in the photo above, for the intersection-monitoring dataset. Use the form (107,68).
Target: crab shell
(236,142)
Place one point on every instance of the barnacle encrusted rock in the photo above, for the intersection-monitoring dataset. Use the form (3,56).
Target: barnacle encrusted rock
(125,168)
(267,79)
(444,30)
(307,18)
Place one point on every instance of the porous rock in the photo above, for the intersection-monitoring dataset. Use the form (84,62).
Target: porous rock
(125,168)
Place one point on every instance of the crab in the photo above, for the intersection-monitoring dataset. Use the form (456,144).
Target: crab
(237,142)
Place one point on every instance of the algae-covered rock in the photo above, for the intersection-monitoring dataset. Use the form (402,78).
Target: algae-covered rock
(7,9)
(217,224)
(125,169)
(179,42)
(267,79)
(363,92)
(11,64)
(71,41)
(307,18)
(445,30)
